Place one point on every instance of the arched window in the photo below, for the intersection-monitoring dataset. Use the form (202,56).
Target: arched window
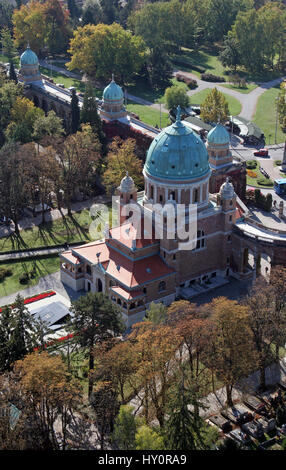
(162,286)
(88,269)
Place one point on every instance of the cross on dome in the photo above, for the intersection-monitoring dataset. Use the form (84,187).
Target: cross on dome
(178,117)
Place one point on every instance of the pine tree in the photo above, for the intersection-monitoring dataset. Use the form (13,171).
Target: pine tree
(75,113)
(184,428)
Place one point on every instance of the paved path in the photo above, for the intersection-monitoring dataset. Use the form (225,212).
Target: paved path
(49,282)
(247,100)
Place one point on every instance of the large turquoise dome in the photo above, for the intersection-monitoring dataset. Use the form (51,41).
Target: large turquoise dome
(29,57)
(177,153)
(112,92)
(218,135)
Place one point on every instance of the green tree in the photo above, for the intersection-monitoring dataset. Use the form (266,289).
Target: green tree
(184,428)
(229,56)
(159,68)
(95,319)
(47,126)
(92,12)
(156,313)
(125,428)
(215,107)
(176,96)
(105,49)
(12,73)
(147,438)
(8,45)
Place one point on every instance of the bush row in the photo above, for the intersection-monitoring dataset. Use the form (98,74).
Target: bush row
(190,82)
(209,77)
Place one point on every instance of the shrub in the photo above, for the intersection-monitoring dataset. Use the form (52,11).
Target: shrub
(209,77)
(251,164)
(190,82)
(251,173)
(24,278)
(264,181)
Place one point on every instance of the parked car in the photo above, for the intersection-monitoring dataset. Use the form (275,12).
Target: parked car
(61,85)
(71,88)
(261,153)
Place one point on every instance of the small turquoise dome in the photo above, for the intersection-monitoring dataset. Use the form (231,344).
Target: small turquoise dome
(112,92)
(29,57)
(177,153)
(218,135)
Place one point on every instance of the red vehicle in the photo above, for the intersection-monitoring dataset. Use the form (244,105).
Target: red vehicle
(261,153)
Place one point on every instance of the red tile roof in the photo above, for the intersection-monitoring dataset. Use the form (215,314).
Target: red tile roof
(127,295)
(130,273)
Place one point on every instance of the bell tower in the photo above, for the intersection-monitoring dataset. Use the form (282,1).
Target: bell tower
(127,193)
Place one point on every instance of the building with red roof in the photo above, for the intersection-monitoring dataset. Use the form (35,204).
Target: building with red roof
(176,236)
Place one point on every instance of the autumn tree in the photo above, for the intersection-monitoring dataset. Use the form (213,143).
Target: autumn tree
(105,49)
(13,182)
(121,157)
(231,351)
(78,156)
(214,108)
(23,117)
(49,395)
(44,25)
(95,320)
(117,364)
(155,348)
(277,294)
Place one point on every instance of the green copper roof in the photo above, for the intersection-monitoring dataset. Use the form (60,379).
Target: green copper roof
(28,57)
(218,135)
(177,153)
(112,92)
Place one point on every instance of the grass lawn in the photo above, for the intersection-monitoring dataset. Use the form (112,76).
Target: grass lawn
(204,58)
(247,89)
(60,231)
(254,181)
(149,115)
(39,266)
(67,81)
(233,104)
(265,116)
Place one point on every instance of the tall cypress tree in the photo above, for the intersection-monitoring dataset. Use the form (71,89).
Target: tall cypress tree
(75,113)
(89,112)
(12,73)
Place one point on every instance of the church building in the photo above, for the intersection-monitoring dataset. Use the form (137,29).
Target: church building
(132,264)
